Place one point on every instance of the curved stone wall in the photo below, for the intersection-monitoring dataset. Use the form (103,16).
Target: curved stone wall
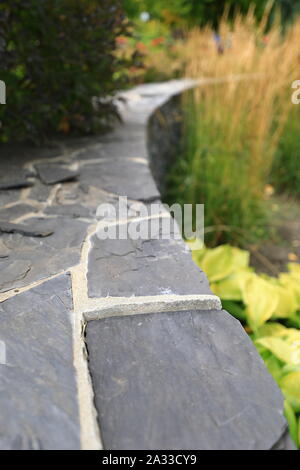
(116,343)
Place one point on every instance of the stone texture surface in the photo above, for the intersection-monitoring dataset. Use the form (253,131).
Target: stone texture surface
(52,173)
(122,177)
(69,210)
(183,380)
(31,258)
(26,231)
(179,380)
(143,267)
(15,211)
(38,393)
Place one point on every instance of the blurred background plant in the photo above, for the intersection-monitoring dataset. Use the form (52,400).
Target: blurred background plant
(233,127)
(55,57)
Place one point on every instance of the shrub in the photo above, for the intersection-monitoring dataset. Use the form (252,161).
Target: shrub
(56,55)
(269,309)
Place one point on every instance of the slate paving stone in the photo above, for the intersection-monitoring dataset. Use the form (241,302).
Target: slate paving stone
(8,196)
(16,211)
(43,256)
(13,176)
(38,398)
(149,266)
(55,173)
(183,380)
(83,194)
(12,270)
(40,192)
(115,149)
(15,184)
(121,177)
(69,210)
(8,227)
(285,442)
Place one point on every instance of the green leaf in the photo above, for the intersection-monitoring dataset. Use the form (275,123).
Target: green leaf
(291,281)
(223,261)
(292,422)
(261,299)
(234,309)
(271,329)
(274,366)
(280,348)
(231,288)
(290,386)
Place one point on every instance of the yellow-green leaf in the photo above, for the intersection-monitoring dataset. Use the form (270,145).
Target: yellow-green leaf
(287,302)
(223,261)
(290,386)
(280,348)
(261,299)
(292,421)
(271,329)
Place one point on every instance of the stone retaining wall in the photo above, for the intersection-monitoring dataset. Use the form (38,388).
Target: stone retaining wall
(116,344)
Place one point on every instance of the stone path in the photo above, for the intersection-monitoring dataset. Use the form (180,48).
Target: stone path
(115,343)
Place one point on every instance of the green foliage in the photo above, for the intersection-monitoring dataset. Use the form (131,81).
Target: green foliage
(270,309)
(202,12)
(56,55)
(156,8)
(211,11)
(286,170)
(215,170)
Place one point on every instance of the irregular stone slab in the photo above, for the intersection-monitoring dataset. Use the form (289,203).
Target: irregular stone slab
(69,210)
(121,177)
(116,148)
(16,211)
(40,192)
(183,380)
(285,442)
(144,267)
(46,256)
(38,399)
(8,196)
(13,270)
(8,227)
(12,175)
(54,173)
(15,184)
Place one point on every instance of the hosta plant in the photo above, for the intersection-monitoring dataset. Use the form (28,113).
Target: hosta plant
(269,309)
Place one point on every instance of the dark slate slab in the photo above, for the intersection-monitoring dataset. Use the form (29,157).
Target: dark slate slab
(38,398)
(13,176)
(31,258)
(122,177)
(184,380)
(69,210)
(8,196)
(116,148)
(15,184)
(15,211)
(285,442)
(143,267)
(26,231)
(40,192)
(55,173)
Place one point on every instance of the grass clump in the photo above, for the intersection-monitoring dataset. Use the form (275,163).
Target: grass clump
(233,123)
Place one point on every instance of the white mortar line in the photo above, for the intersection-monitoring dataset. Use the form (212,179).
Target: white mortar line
(127,306)
(89,429)
(100,160)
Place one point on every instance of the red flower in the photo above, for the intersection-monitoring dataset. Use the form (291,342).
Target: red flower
(158,41)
